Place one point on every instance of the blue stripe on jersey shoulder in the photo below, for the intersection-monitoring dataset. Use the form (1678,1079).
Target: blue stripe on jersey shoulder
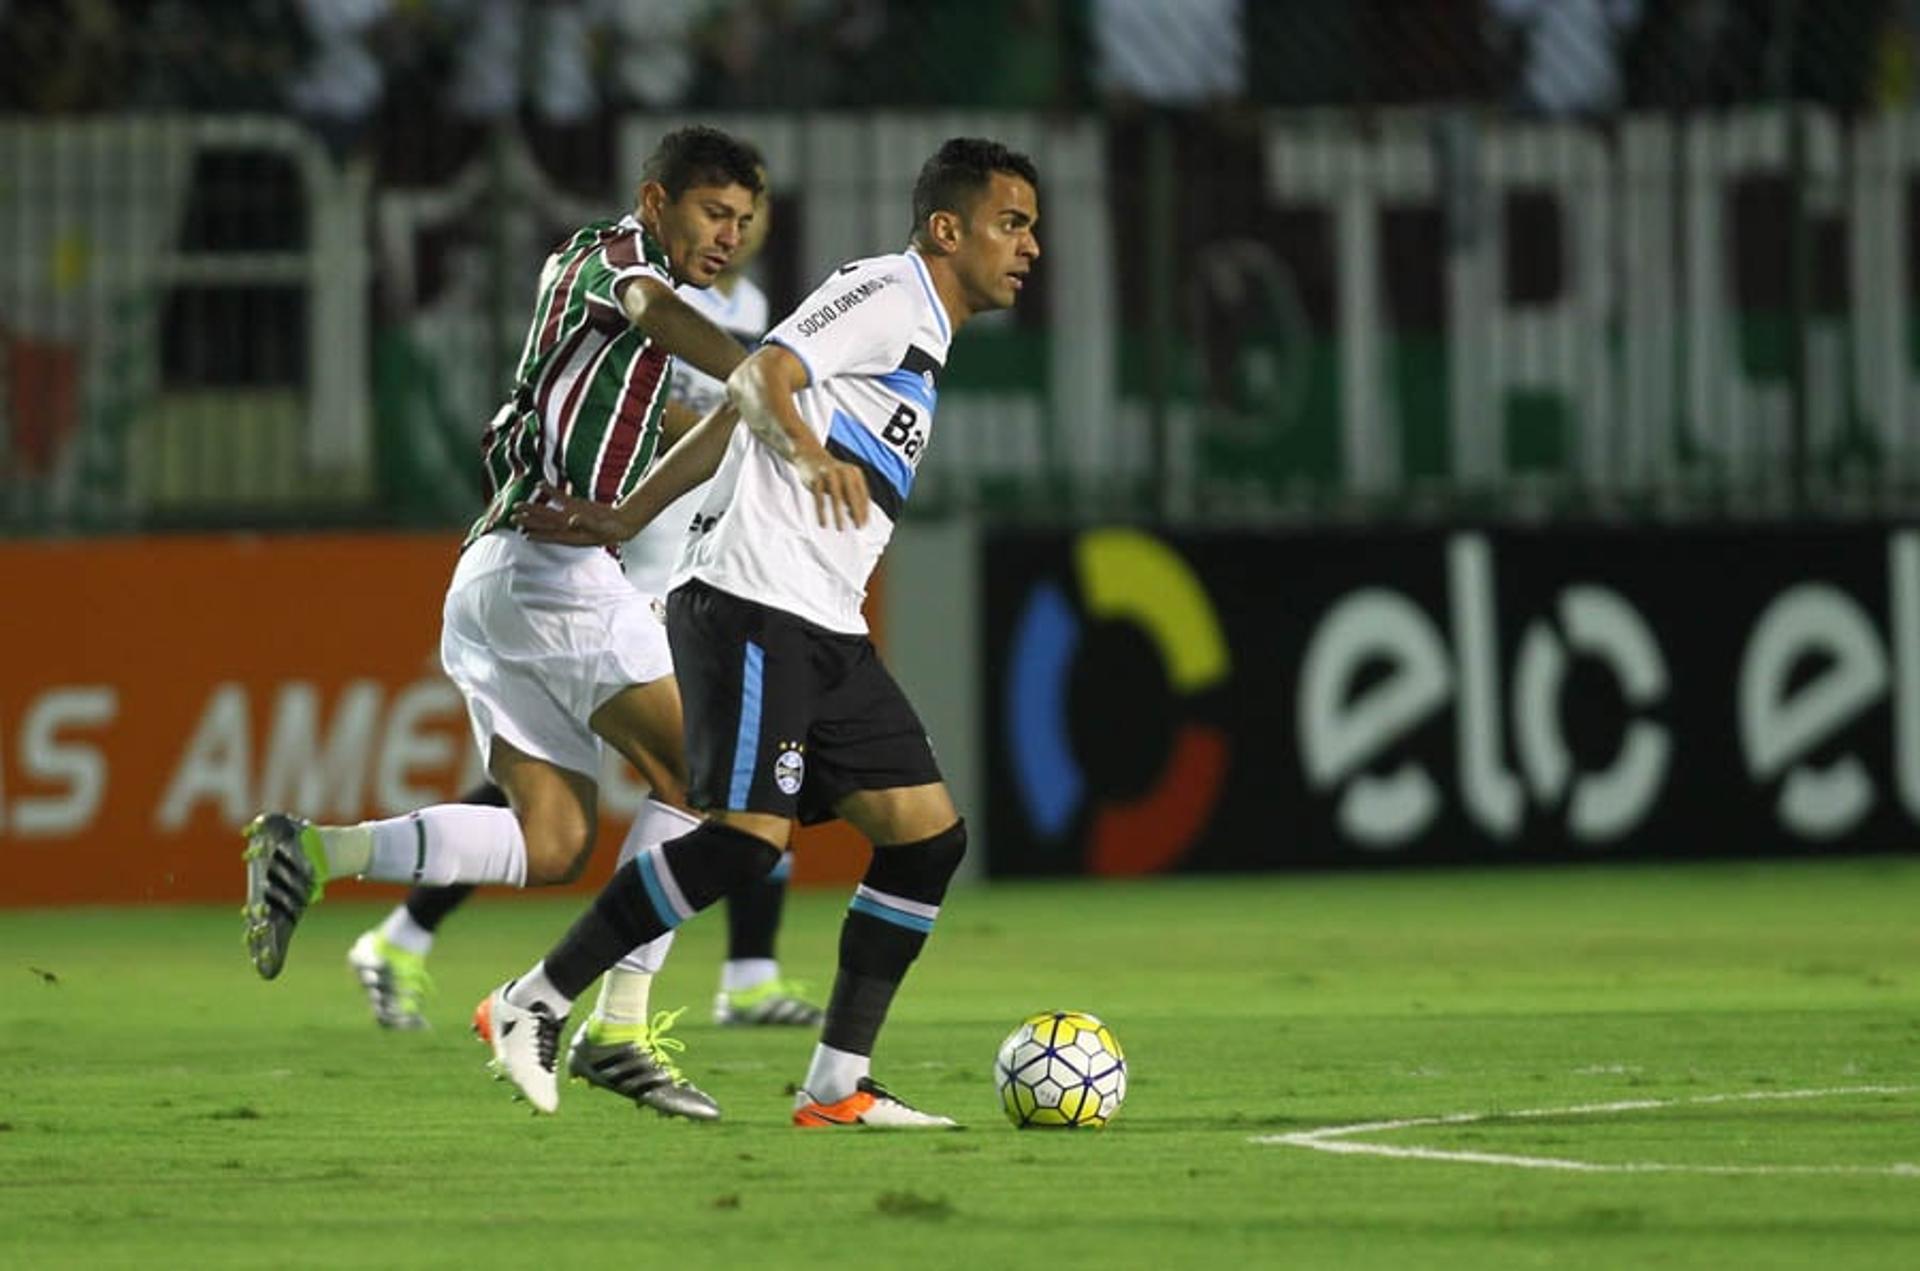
(876,453)
(910,385)
(933,297)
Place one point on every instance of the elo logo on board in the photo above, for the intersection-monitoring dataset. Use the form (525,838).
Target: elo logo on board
(1343,732)
(1787,721)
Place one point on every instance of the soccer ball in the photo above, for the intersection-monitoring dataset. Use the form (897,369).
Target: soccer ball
(1061,1070)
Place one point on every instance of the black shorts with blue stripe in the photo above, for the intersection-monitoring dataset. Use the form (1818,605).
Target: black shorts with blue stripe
(783,716)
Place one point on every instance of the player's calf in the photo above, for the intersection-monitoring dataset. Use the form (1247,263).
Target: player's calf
(557,856)
(887,924)
(653,893)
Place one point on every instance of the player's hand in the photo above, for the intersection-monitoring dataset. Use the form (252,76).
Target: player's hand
(839,490)
(552,517)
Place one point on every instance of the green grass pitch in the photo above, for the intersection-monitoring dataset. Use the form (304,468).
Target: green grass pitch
(160,1106)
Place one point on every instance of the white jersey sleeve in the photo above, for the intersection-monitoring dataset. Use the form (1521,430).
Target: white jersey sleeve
(858,322)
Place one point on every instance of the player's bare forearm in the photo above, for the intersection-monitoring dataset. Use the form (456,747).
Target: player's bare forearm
(676,421)
(693,459)
(679,328)
(550,517)
(763,389)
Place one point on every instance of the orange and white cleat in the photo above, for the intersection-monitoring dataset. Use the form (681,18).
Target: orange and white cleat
(869,1104)
(525,1044)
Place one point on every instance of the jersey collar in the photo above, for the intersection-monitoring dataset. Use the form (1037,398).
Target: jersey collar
(933,297)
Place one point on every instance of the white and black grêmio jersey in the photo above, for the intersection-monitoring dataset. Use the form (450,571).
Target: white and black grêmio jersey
(649,556)
(873,338)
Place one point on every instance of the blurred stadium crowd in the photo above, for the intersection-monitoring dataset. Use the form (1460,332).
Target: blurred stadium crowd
(354,66)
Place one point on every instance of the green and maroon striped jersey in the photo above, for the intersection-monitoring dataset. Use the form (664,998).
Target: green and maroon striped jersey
(588,392)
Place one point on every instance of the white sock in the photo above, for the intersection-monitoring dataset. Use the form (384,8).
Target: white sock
(835,1073)
(448,843)
(648,958)
(347,848)
(737,975)
(657,823)
(624,997)
(402,932)
(534,987)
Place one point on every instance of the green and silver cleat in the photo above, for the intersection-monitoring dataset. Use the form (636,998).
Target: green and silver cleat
(396,981)
(780,1003)
(637,1063)
(286,872)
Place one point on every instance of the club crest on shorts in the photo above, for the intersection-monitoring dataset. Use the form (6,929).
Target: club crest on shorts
(790,767)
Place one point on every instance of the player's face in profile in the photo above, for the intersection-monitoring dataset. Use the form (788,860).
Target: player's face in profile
(753,235)
(997,243)
(702,229)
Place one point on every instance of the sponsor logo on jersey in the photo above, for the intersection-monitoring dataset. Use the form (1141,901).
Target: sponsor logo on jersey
(817,321)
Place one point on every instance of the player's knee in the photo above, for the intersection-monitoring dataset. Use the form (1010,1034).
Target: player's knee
(920,870)
(744,856)
(558,855)
(574,868)
(715,860)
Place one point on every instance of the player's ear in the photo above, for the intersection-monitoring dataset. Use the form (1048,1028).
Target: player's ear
(653,197)
(943,229)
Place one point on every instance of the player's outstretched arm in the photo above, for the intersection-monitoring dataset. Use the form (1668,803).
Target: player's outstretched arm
(676,421)
(551,517)
(679,328)
(763,388)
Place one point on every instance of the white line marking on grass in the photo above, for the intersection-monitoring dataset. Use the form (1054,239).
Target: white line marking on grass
(1340,1138)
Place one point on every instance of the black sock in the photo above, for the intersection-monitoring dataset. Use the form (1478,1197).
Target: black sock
(428,906)
(486,794)
(886,927)
(652,894)
(753,914)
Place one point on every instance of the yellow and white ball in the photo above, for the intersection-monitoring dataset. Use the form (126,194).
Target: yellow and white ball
(1061,1070)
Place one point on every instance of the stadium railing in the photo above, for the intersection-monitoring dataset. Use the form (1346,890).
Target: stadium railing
(1323,314)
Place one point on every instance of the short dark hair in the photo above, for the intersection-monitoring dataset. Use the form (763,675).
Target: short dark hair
(698,155)
(959,172)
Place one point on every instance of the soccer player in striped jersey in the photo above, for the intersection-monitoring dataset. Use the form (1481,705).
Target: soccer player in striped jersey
(552,648)
(789,712)
(390,959)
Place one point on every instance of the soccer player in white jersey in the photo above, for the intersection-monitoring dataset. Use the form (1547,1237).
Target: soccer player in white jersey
(789,712)
(552,648)
(389,960)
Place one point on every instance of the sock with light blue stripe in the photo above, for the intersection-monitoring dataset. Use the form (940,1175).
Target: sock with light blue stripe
(651,895)
(887,925)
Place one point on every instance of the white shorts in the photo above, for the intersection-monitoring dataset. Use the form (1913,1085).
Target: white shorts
(537,637)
